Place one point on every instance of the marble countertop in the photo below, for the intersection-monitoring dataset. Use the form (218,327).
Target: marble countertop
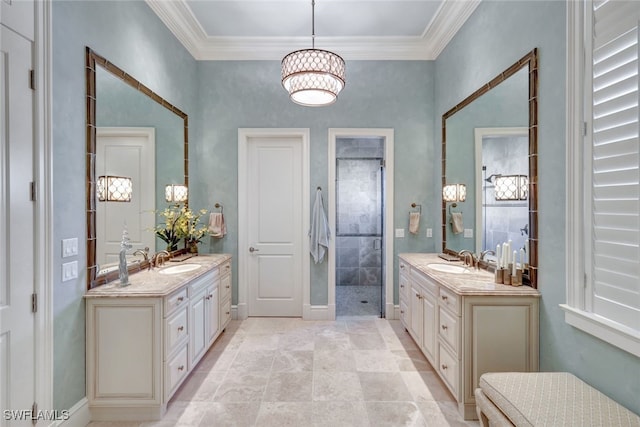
(474,282)
(151,283)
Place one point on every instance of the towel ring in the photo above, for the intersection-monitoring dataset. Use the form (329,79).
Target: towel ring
(452,205)
(414,205)
(219,206)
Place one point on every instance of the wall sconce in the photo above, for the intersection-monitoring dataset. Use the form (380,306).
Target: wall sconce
(114,188)
(454,193)
(512,187)
(177,193)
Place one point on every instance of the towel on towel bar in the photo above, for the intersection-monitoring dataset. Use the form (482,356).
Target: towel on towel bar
(217,227)
(319,234)
(456,222)
(414,222)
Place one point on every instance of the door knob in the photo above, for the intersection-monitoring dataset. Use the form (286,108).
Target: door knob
(252,249)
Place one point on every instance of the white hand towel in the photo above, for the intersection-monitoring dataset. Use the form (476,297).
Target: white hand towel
(217,227)
(319,234)
(456,222)
(414,222)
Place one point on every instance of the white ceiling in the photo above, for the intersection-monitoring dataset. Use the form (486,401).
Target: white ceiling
(355,29)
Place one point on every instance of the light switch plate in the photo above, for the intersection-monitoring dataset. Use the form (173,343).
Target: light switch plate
(399,232)
(468,233)
(69,271)
(429,232)
(69,247)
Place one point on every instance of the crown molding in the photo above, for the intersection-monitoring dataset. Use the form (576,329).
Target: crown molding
(177,16)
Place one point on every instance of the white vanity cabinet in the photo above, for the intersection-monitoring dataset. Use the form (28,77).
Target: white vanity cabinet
(225,294)
(143,340)
(466,325)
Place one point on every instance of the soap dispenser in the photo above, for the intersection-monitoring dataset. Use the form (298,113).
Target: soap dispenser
(124,246)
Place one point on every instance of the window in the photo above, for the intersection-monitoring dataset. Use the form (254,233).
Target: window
(603,171)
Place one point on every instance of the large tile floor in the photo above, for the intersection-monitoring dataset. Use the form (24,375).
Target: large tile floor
(355,371)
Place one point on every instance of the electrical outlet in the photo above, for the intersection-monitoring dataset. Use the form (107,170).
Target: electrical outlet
(69,271)
(429,232)
(69,247)
(399,232)
(468,233)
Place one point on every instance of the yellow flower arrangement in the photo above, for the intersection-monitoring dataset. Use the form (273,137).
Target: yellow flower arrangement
(180,222)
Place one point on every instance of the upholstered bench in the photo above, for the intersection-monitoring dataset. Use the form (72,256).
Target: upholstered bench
(546,399)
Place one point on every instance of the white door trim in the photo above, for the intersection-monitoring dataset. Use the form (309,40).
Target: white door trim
(244,134)
(387,134)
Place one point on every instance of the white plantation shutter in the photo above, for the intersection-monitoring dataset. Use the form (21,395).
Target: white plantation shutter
(613,258)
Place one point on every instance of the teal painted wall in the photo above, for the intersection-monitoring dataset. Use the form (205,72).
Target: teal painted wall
(378,94)
(130,35)
(496,35)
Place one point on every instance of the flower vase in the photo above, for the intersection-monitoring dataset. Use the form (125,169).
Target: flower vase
(192,247)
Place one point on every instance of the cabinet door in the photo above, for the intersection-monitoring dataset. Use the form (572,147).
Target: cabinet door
(415,302)
(429,327)
(213,321)
(198,338)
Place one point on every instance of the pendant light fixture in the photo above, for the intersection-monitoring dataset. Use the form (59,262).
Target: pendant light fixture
(313,77)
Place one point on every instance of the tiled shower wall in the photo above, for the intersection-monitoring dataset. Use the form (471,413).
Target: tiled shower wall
(359,211)
(505,220)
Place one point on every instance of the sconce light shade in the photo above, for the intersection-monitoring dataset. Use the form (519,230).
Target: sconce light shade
(177,193)
(512,187)
(114,188)
(454,193)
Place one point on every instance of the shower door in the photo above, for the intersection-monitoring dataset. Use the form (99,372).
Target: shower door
(359,236)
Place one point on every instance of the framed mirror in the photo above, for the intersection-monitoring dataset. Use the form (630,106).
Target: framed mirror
(490,150)
(135,136)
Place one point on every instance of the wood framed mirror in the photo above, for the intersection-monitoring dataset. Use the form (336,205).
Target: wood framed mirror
(493,134)
(157,112)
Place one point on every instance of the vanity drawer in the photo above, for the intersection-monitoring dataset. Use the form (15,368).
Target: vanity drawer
(225,313)
(448,369)
(176,370)
(176,329)
(450,300)
(225,286)
(404,284)
(175,300)
(426,283)
(404,313)
(225,268)
(449,329)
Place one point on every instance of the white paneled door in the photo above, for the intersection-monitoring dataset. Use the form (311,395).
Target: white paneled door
(17,321)
(275,225)
(128,152)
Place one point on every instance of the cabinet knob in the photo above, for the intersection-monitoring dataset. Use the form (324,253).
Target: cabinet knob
(181,368)
(444,327)
(418,296)
(228,286)
(444,297)
(180,328)
(402,266)
(401,311)
(227,313)
(402,286)
(180,299)
(444,366)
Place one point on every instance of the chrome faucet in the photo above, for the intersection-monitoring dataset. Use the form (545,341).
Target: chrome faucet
(157,259)
(468,258)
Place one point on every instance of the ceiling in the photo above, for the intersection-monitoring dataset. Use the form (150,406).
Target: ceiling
(354,29)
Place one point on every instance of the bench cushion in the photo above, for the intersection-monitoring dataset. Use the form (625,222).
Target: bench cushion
(553,399)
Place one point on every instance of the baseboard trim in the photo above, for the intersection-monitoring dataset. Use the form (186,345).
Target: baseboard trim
(318,312)
(79,415)
(239,311)
(395,309)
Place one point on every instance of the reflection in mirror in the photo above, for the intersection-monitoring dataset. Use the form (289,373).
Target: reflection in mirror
(132,132)
(490,145)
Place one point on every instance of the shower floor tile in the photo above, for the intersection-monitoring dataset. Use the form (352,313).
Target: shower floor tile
(349,300)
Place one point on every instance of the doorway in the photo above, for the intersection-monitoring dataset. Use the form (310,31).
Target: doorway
(361,260)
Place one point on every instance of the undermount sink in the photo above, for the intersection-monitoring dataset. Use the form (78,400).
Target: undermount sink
(182,268)
(449,268)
